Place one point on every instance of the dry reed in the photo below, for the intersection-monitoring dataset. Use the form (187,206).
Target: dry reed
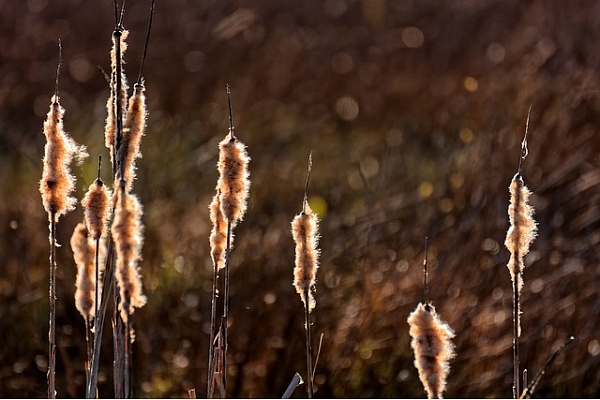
(433,348)
(305,232)
(55,187)
(521,232)
(84,254)
(226,211)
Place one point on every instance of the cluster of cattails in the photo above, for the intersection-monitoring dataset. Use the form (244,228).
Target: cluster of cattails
(92,238)
(227,209)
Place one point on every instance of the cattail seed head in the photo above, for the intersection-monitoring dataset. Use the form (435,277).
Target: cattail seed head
(127,232)
(433,348)
(57,182)
(305,232)
(218,235)
(133,130)
(96,210)
(84,254)
(234,182)
(522,230)
(110,129)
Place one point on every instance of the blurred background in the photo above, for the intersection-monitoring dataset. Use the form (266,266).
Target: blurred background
(414,111)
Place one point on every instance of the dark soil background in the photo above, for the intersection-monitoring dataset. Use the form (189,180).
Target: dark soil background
(414,111)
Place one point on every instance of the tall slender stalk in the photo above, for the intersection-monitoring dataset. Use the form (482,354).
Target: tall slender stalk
(309,369)
(520,234)
(229,204)
(52,325)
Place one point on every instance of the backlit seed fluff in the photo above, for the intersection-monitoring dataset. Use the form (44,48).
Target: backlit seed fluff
(522,230)
(57,182)
(133,130)
(127,232)
(110,129)
(96,208)
(305,232)
(432,347)
(234,182)
(84,254)
(218,235)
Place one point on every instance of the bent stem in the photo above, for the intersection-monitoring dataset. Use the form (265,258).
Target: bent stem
(52,324)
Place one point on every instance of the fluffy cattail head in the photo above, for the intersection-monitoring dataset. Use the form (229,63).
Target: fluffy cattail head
(218,235)
(96,210)
(84,254)
(118,49)
(523,228)
(127,232)
(133,130)
(305,232)
(234,182)
(433,348)
(57,182)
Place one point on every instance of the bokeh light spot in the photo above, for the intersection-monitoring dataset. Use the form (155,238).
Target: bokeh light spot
(466,135)
(347,108)
(413,37)
(425,189)
(470,84)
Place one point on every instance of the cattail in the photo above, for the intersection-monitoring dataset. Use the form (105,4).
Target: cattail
(433,348)
(234,180)
(218,235)
(522,230)
(57,182)
(84,253)
(116,111)
(305,232)
(96,210)
(133,130)
(127,234)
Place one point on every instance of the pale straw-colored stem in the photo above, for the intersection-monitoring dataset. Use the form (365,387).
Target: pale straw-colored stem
(52,327)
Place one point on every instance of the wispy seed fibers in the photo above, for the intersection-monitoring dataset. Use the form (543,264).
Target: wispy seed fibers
(234,182)
(96,208)
(127,232)
(433,348)
(305,232)
(57,182)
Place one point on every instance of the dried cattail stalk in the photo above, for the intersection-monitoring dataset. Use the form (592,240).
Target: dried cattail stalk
(115,110)
(218,235)
(57,182)
(127,232)
(96,210)
(433,348)
(234,182)
(133,130)
(84,253)
(305,232)
(522,230)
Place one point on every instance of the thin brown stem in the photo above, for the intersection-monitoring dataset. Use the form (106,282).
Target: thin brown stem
(91,392)
(226,302)
(516,330)
(52,327)
(211,344)
(309,369)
